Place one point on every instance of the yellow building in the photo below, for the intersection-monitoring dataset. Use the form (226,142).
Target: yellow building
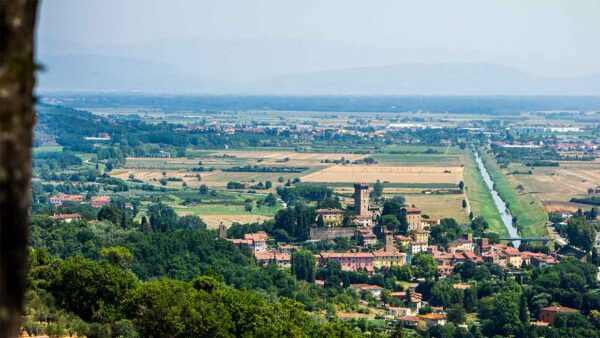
(403,241)
(413,218)
(387,259)
(420,235)
(331,217)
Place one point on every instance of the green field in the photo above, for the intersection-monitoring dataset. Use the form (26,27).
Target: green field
(530,214)
(47,149)
(479,196)
(225,203)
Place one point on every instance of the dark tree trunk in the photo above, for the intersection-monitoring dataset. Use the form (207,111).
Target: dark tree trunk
(17,68)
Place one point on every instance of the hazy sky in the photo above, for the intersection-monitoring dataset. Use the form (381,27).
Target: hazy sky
(548,37)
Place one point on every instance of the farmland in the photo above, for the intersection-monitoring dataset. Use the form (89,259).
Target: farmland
(392,174)
(406,170)
(479,197)
(524,205)
(555,186)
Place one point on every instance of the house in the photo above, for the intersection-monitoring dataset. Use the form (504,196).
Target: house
(420,235)
(494,258)
(416,247)
(403,240)
(514,258)
(445,270)
(287,249)
(374,290)
(240,242)
(58,200)
(409,321)
(259,241)
(68,218)
(413,218)
(543,261)
(283,260)
(331,217)
(398,312)
(363,220)
(99,201)
(433,319)
(264,258)
(366,237)
(416,300)
(483,245)
(430,221)
(548,314)
(387,259)
(461,244)
(350,261)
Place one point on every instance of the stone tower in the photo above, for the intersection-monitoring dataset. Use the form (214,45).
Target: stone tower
(389,241)
(222,230)
(361,198)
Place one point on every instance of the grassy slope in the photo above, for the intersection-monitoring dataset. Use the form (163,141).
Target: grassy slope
(479,195)
(530,214)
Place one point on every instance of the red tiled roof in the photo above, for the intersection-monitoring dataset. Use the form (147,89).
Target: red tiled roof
(365,287)
(413,210)
(260,236)
(65,216)
(559,309)
(409,319)
(346,254)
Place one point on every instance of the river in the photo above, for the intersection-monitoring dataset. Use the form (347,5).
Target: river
(500,205)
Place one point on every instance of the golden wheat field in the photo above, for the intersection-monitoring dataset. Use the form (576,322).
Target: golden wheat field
(372,173)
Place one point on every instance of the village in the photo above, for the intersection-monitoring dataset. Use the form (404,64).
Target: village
(396,251)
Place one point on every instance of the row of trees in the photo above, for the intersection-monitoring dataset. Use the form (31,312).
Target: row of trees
(86,298)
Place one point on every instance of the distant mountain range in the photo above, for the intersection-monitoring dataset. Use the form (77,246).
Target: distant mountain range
(286,67)
(427,79)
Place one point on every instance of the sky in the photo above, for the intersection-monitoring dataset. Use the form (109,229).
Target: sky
(546,37)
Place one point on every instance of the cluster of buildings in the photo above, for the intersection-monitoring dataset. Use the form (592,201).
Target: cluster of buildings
(257,242)
(59,199)
(397,250)
(95,201)
(463,250)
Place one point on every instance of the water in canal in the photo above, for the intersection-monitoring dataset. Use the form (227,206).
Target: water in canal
(500,205)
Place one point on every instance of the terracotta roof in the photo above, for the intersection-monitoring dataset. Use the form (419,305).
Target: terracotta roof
(264,255)
(559,309)
(260,236)
(240,241)
(100,198)
(413,210)
(409,319)
(383,253)
(366,287)
(282,256)
(346,254)
(65,216)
